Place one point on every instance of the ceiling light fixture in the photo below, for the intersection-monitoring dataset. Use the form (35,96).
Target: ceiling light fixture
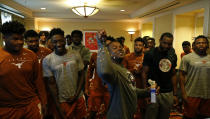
(43,8)
(85,10)
(122,10)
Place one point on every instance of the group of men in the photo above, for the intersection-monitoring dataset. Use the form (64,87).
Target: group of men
(37,82)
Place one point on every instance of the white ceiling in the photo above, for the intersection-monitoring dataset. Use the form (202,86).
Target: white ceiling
(109,9)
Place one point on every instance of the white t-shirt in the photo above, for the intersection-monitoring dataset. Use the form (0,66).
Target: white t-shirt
(198,72)
(65,70)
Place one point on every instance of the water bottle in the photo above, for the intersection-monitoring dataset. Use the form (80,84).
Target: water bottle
(152,91)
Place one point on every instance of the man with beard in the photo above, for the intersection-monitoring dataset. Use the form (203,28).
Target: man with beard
(120,81)
(64,71)
(125,48)
(20,98)
(134,63)
(194,81)
(159,65)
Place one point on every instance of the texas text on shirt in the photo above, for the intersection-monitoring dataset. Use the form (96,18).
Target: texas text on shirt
(18,89)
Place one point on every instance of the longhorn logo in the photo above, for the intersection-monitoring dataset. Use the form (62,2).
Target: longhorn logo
(19,65)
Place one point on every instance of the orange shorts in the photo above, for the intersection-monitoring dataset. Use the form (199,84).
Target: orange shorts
(197,106)
(140,108)
(31,111)
(98,103)
(77,110)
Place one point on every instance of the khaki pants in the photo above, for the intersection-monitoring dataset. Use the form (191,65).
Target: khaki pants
(160,109)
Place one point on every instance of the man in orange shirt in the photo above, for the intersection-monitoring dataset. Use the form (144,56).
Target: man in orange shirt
(98,100)
(32,41)
(97,91)
(20,98)
(133,62)
(186,47)
(125,48)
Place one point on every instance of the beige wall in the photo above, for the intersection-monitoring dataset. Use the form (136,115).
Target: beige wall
(147,29)
(162,24)
(115,29)
(30,23)
(184,31)
(199,25)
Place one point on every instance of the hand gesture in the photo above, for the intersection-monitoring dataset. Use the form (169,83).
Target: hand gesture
(72,99)
(101,37)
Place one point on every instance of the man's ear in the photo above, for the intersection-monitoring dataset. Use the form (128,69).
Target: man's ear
(4,38)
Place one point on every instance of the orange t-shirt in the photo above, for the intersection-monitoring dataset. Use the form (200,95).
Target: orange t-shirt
(131,61)
(183,54)
(96,85)
(126,49)
(42,53)
(18,74)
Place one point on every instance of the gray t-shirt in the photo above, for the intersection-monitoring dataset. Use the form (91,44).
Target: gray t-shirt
(65,70)
(197,78)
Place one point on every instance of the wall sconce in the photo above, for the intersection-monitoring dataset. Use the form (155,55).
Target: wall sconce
(45,29)
(131,33)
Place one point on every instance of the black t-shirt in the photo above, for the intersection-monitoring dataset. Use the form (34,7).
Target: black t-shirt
(161,65)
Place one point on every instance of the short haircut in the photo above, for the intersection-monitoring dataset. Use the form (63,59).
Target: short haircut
(140,40)
(12,27)
(152,39)
(77,32)
(186,43)
(110,38)
(166,34)
(202,36)
(30,33)
(145,38)
(120,40)
(56,31)
(46,33)
(68,36)
(113,42)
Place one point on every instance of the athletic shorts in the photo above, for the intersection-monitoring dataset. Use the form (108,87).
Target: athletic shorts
(197,106)
(95,102)
(77,110)
(30,111)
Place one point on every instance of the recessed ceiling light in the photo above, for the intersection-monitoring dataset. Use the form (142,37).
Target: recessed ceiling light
(43,8)
(122,10)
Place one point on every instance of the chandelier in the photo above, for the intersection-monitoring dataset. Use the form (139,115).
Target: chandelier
(85,10)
